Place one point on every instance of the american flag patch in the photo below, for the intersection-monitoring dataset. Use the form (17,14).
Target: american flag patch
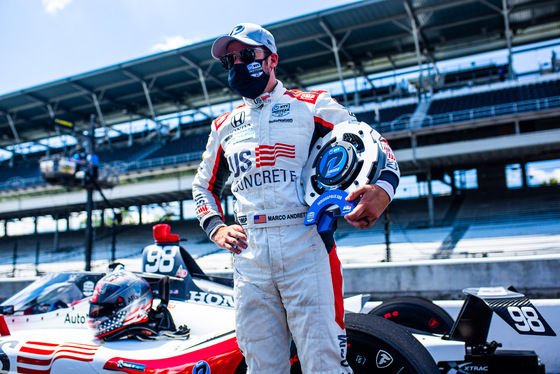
(267,154)
(38,357)
(260,218)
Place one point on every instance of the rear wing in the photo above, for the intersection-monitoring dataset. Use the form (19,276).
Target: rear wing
(473,323)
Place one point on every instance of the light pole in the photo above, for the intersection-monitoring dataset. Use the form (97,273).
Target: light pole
(90,187)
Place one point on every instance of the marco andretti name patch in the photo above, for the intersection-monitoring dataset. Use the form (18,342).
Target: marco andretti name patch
(258,219)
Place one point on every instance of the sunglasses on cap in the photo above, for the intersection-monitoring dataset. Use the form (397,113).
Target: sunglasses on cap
(246,56)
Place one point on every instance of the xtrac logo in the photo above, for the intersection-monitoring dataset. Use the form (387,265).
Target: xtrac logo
(383,359)
(466,368)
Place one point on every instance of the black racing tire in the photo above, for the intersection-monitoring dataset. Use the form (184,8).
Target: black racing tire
(377,345)
(417,313)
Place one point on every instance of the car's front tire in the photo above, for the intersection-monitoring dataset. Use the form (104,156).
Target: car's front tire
(376,345)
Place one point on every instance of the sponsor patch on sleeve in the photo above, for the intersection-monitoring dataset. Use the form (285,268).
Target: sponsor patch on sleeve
(308,97)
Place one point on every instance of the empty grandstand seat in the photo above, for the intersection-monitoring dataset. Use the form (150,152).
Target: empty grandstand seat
(22,169)
(392,113)
(475,76)
(185,144)
(127,153)
(493,98)
(367,117)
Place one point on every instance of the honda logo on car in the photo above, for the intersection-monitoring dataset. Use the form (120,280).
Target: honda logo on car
(211,298)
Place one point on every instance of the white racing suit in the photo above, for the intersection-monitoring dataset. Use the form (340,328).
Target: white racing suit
(288,282)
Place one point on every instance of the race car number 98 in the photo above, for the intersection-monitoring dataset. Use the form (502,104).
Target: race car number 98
(526,318)
(160,260)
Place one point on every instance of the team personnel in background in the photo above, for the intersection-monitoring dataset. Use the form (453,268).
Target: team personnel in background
(288,281)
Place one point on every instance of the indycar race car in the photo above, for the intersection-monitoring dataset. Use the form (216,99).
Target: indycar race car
(173,318)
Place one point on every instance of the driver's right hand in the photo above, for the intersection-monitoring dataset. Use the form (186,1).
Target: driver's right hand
(233,238)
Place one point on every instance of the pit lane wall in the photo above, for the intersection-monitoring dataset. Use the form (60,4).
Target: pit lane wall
(536,276)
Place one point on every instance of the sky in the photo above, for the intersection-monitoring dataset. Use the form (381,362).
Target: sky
(47,40)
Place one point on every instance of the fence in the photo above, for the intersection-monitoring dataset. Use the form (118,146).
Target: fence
(404,122)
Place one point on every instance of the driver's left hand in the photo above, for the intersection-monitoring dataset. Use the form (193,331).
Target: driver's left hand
(373,201)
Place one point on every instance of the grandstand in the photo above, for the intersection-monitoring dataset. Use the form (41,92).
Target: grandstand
(440,124)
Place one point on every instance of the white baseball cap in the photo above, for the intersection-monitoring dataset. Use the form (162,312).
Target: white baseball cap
(247,33)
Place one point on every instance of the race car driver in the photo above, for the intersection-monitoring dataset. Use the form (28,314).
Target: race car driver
(288,280)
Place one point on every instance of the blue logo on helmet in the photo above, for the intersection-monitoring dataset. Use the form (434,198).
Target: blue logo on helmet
(333,162)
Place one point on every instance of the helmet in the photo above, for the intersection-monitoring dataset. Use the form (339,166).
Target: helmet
(120,299)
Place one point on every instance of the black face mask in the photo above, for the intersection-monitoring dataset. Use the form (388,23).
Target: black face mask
(248,80)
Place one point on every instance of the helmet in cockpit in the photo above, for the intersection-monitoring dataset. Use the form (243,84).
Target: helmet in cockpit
(120,299)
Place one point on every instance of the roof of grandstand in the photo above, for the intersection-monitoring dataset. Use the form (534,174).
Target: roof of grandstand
(475,117)
(371,36)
